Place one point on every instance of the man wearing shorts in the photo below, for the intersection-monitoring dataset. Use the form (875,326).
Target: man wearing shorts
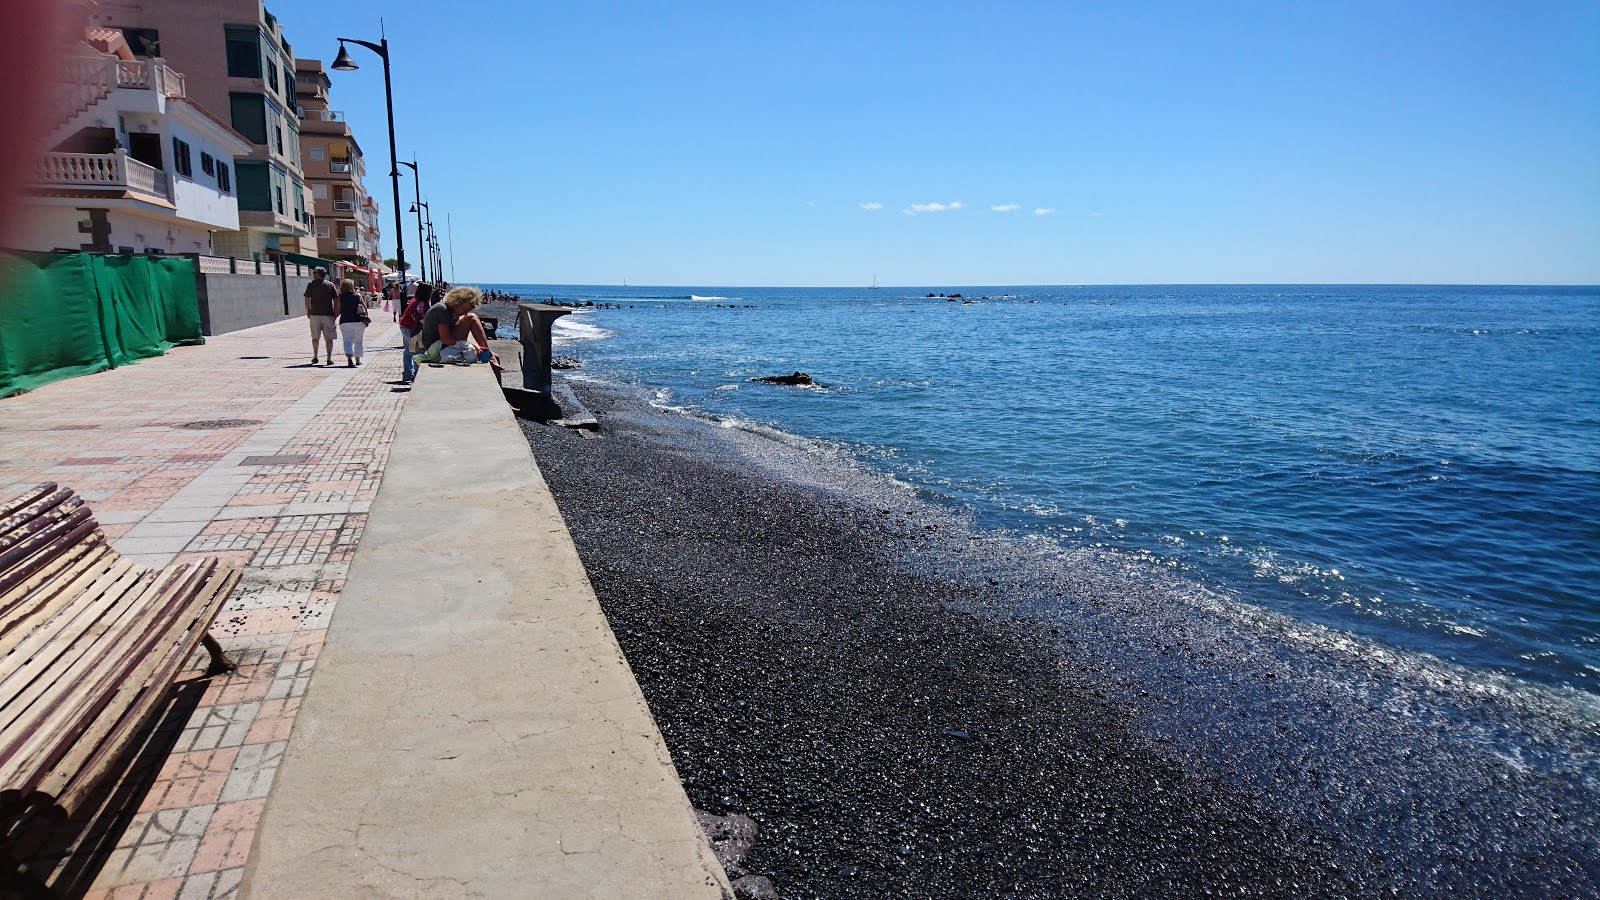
(321,311)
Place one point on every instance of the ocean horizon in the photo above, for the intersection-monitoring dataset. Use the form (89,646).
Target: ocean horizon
(1414,465)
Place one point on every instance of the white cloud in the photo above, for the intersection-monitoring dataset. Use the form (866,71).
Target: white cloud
(931,207)
(874,206)
(1006,207)
(1041,211)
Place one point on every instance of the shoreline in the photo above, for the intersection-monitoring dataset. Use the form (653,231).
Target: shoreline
(693,538)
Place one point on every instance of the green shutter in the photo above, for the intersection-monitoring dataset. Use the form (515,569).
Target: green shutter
(255,186)
(249,116)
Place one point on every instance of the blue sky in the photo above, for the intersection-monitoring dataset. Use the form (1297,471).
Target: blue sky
(743,144)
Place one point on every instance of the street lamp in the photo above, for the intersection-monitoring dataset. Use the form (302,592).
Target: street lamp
(343,63)
(416,179)
(422,245)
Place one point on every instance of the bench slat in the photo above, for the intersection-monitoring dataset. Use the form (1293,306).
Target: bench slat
(64,634)
(27,520)
(15,507)
(42,725)
(42,544)
(47,591)
(72,783)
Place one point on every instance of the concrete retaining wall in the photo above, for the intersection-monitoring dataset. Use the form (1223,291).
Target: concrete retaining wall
(234,302)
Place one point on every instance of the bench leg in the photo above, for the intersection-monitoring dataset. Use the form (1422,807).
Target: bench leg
(219,662)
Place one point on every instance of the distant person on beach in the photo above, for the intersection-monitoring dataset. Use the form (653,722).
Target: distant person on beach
(321,309)
(452,331)
(352,323)
(410,327)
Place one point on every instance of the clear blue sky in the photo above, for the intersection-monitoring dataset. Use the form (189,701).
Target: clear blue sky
(728,143)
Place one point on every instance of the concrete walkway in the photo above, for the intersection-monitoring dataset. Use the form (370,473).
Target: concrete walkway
(473,730)
(236,449)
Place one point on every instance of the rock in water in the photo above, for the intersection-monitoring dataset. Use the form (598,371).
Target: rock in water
(796,378)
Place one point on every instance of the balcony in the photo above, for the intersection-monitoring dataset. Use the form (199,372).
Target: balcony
(85,82)
(100,170)
(344,245)
(348,206)
(339,168)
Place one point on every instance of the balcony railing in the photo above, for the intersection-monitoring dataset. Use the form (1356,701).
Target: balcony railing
(323,115)
(348,206)
(338,167)
(100,170)
(344,245)
(85,82)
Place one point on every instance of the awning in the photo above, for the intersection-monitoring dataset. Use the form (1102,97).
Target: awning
(304,260)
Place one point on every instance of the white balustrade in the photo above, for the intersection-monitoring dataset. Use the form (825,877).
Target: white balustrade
(100,170)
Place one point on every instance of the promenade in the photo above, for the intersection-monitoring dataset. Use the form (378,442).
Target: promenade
(237,449)
(475,728)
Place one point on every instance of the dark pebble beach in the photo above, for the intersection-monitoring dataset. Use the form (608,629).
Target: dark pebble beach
(907,705)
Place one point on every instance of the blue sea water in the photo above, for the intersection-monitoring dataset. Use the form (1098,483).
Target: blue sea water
(1419,465)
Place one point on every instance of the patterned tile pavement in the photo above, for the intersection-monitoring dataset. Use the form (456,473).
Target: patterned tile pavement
(237,449)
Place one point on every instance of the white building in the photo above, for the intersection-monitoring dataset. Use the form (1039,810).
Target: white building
(134,166)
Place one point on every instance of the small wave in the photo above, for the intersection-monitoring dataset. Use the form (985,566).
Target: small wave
(699,298)
(566,332)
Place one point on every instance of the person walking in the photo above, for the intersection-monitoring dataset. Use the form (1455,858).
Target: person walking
(410,327)
(353,321)
(321,309)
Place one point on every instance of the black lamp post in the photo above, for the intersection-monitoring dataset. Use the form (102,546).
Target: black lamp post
(416,181)
(419,207)
(343,63)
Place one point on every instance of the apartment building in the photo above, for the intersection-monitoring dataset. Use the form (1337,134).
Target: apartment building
(240,67)
(135,165)
(335,170)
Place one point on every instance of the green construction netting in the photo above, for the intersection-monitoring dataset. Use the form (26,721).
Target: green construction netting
(67,314)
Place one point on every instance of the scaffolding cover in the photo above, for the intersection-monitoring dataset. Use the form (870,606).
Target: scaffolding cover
(67,314)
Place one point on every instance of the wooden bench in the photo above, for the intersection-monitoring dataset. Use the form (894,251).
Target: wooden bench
(90,644)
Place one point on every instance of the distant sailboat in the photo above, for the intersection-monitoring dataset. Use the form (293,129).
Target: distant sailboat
(874,285)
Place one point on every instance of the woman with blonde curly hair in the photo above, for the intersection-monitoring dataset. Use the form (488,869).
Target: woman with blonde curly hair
(452,331)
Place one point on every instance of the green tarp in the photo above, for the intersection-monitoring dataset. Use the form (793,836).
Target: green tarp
(67,314)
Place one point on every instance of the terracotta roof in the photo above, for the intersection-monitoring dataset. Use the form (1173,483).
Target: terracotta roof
(110,42)
(106,194)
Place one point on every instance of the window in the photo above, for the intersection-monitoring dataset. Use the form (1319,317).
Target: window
(244,52)
(224,181)
(324,231)
(278,193)
(180,158)
(316,154)
(208,165)
(249,116)
(319,191)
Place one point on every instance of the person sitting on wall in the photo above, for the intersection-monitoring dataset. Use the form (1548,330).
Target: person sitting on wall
(452,331)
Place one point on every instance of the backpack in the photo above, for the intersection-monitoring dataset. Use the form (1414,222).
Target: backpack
(411,319)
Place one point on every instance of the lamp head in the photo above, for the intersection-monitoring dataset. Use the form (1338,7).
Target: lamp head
(343,62)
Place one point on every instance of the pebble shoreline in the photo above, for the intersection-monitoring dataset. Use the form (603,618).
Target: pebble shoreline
(887,737)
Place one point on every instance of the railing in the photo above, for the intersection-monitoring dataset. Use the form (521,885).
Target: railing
(100,170)
(344,245)
(324,115)
(344,206)
(84,82)
(339,167)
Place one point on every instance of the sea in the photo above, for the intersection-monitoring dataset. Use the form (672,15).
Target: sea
(1418,466)
(1338,547)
